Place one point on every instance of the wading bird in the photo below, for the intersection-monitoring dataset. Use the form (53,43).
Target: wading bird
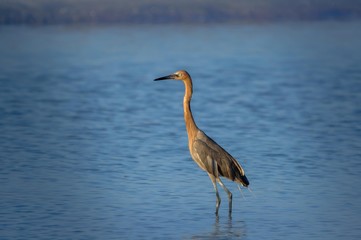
(209,156)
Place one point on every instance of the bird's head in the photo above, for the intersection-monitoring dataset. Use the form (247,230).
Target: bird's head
(179,75)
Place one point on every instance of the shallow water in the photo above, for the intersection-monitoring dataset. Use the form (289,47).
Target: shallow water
(92,148)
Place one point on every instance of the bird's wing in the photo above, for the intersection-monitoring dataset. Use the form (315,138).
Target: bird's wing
(204,156)
(211,155)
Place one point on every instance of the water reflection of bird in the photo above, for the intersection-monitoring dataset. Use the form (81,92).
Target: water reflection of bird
(209,156)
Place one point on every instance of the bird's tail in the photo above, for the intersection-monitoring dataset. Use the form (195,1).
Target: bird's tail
(243,180)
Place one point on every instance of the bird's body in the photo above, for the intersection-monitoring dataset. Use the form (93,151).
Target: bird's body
(215,160)
(209,156)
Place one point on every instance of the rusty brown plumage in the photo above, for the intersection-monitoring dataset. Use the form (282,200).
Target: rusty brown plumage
(209,156)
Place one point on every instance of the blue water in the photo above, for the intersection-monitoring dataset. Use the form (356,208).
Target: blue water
(92,148)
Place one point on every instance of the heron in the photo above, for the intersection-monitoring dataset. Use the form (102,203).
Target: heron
(208,155)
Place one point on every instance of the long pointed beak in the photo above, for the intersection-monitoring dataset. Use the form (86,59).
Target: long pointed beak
(172,76)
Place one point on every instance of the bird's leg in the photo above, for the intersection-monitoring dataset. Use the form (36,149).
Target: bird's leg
(228,193)
(218,202)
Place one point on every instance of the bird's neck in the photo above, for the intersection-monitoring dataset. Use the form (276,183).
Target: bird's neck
(188,117)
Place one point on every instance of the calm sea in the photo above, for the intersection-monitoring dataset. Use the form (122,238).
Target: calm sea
(92,148)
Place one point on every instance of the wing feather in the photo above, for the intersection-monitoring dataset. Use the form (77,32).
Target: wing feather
(216,160)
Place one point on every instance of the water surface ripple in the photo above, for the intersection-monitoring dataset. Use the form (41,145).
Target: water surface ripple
(92,148)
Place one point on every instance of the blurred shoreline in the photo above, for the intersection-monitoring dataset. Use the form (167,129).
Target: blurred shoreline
(53,12)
